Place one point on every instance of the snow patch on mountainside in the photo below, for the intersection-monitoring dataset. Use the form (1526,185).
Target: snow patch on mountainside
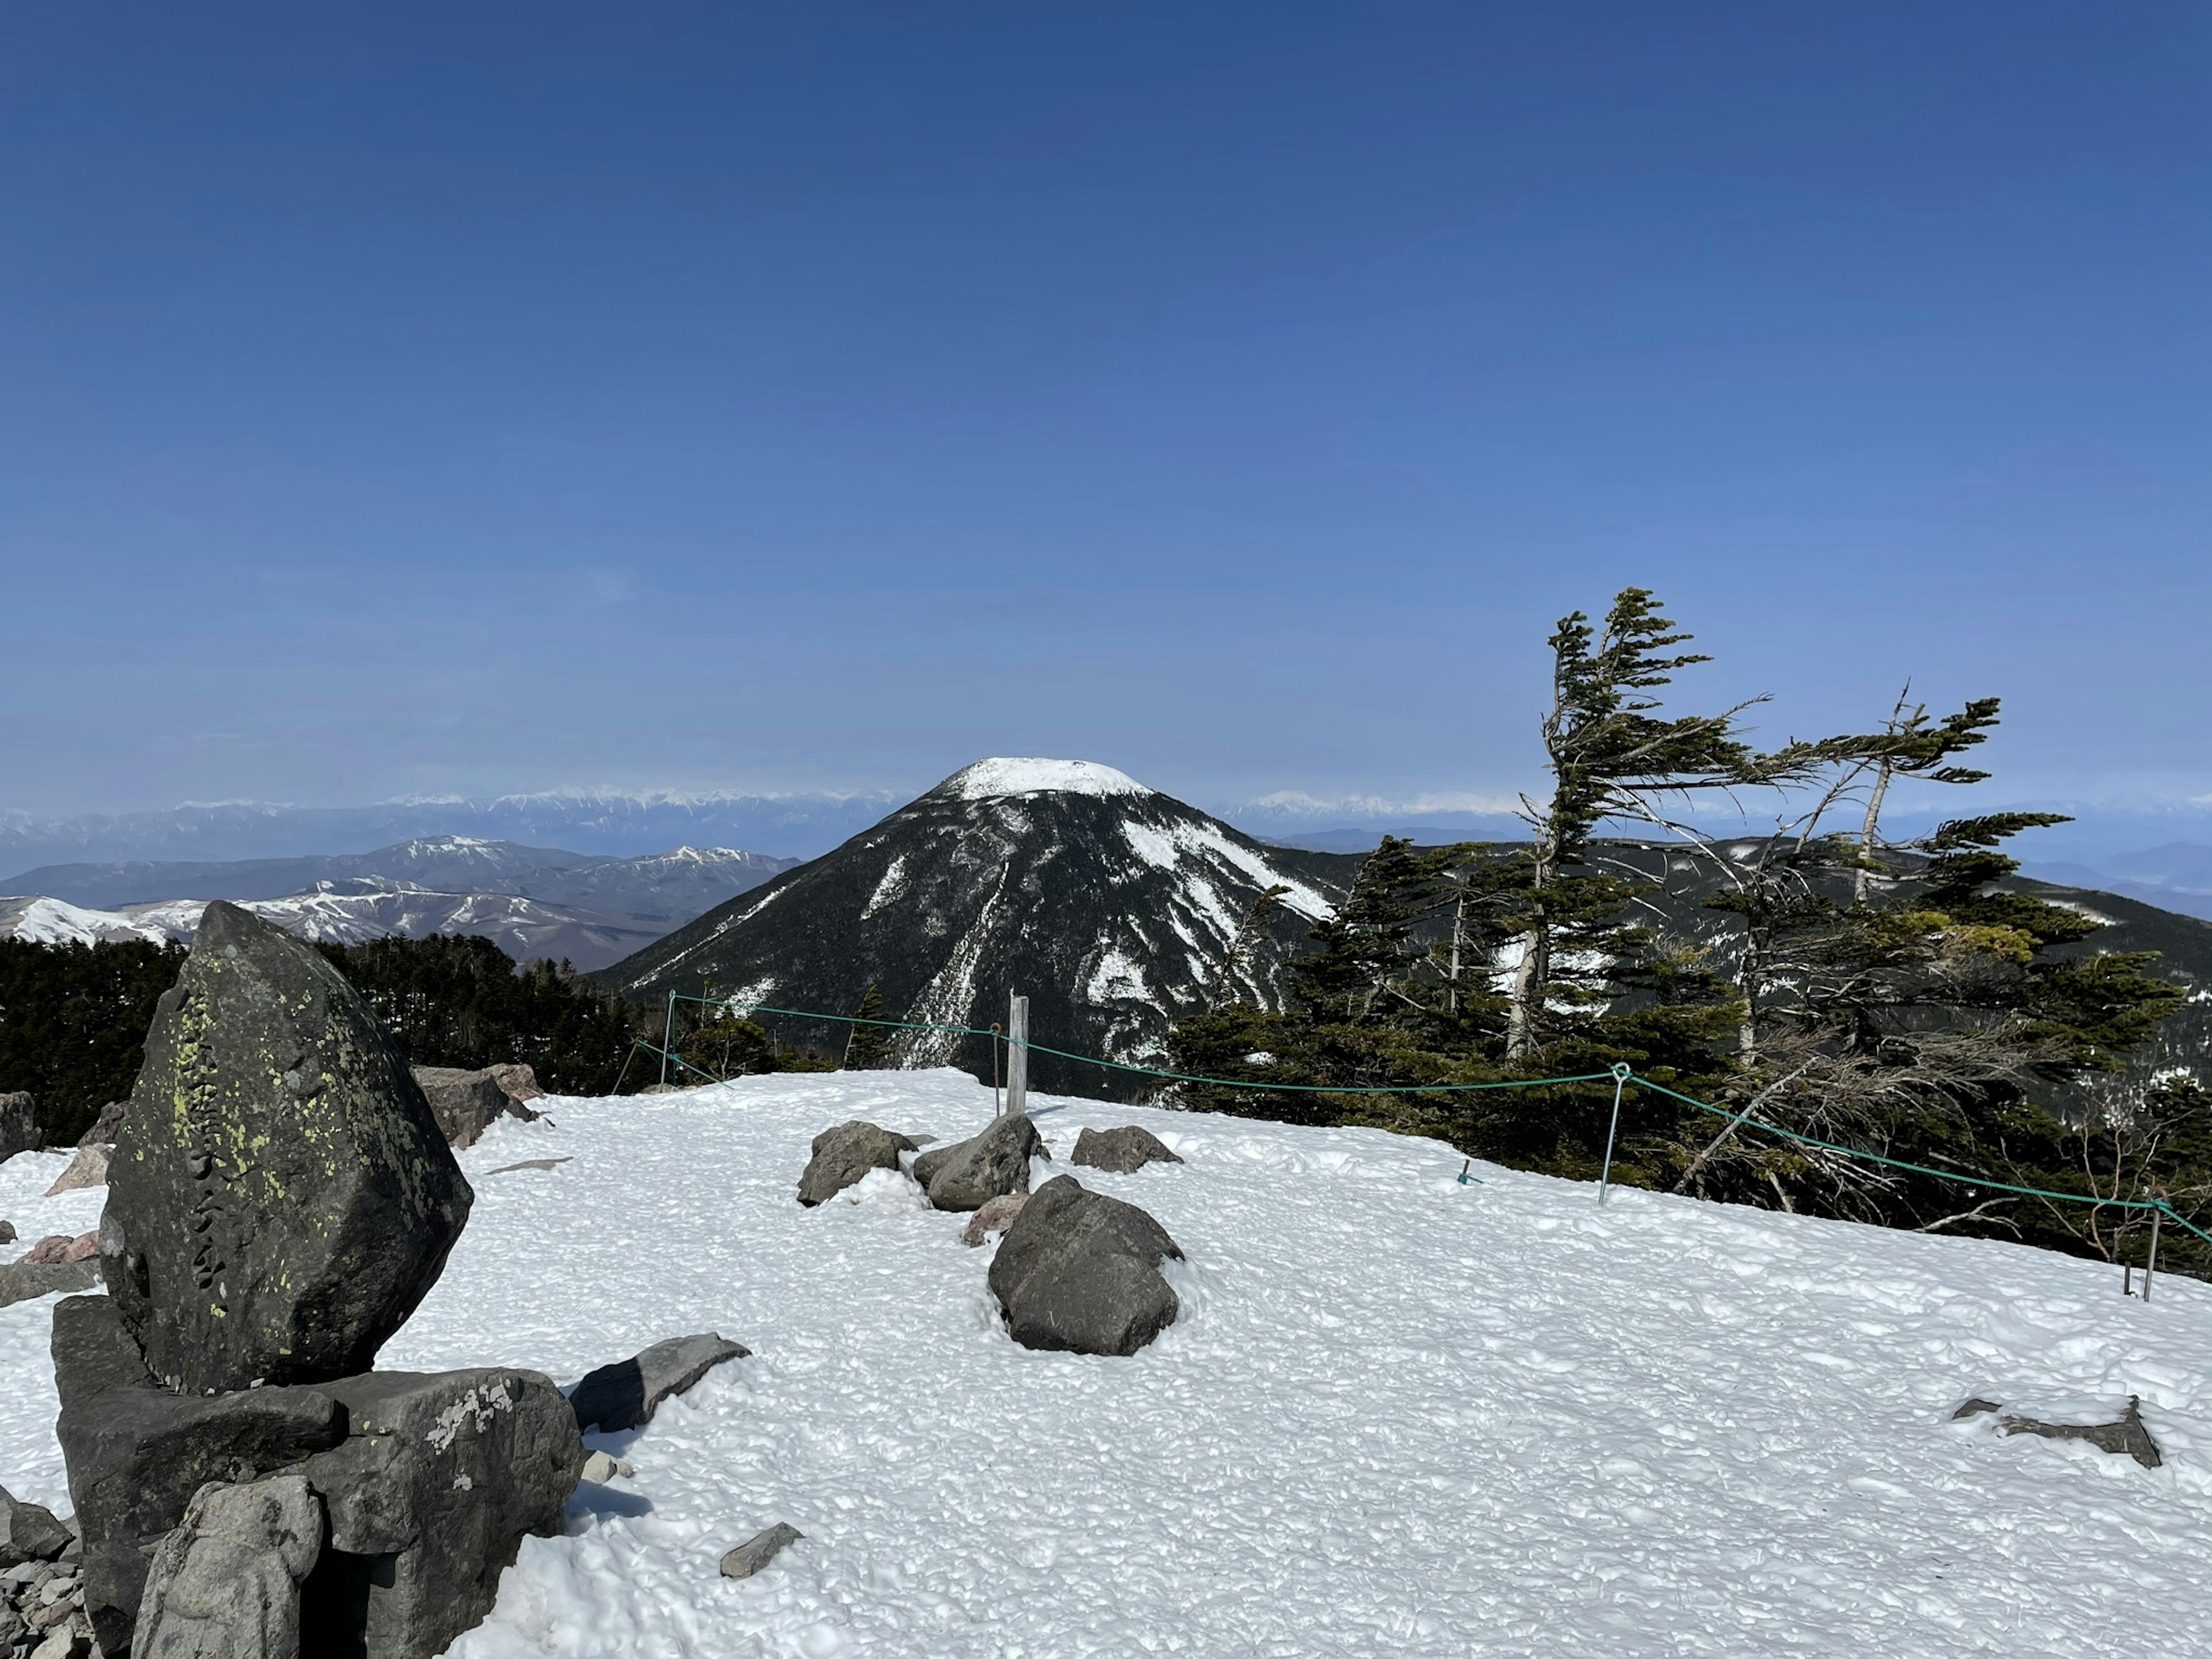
(1021,775)
(1165,848)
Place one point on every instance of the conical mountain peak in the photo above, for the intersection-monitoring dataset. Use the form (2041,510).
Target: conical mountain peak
(1023,774)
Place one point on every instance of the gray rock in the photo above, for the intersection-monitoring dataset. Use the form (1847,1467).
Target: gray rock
(994,1218)
(19,1126)
(1079,1271)
(136,1453)
(63,1641)
(88,1169)
(969,1174)
(843,1155)
(625,1396)
(531,1163)
(28,1532)
(106,1126)
(756,1552)
(430,1497)
(1121,1151)
(6,1232)
(23,1281)
(59,1247)
(2125,1435)
(465,1103)
(519,1081)
(281,1197)
(225,1582)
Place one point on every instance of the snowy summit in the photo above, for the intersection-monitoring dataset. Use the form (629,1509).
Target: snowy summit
(1013,774)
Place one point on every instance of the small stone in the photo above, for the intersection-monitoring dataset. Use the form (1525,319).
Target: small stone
(842,1156)
(29,1534)
(88,1169)
(6,1232)
(756,1552)
(1121,1151)
(600,1467)
(994,1217)
(625,1394)
(65,1642)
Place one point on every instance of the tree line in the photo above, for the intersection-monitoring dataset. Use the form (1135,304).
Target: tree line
(1892,996)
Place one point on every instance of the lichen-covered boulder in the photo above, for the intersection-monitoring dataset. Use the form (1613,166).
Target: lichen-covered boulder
(1080,1271)
(1122,1150)
(845,1154)
(969,1174)
(281,1197)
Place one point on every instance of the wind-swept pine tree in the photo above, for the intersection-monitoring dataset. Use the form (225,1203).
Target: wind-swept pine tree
(868,1046)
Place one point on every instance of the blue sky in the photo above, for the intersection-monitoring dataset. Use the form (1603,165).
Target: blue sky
(420,398)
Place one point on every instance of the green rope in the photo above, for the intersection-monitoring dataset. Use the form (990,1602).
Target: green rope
(1972,1181)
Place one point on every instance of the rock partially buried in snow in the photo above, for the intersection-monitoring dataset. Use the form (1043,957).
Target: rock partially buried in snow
(969,1174)
(756,1552)
(1121,1151)
(466,1103)
(225,1583)
(601,1467)
(994,1218)
(625,1396)
(281,1197)
(21,1282)
(2125,1435)
(88,1169)
(1079,1272)
(845,1154)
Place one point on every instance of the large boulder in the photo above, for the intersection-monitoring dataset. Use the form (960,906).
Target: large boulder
(520,1082)
(429,1496)
(281,1197)
(137,1453)
(843,1155)
(225,1582)
(1080,1271)
(465,1103)
(969,1174)
(1121,1151)
(19,1127)
(625,1394)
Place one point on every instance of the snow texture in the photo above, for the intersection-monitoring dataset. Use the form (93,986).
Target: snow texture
(1006,774)
(1398,1414)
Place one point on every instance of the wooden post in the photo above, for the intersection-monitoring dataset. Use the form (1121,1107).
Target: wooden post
(2156,1216)
(1018,1055)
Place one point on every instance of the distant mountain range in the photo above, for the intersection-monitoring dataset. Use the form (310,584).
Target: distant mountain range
(532,900)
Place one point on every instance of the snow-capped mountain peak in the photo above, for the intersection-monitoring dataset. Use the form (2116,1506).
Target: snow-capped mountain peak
(1011,774)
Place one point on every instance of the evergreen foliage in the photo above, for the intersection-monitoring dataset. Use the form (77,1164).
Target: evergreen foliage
(868,1047)
(73,1021)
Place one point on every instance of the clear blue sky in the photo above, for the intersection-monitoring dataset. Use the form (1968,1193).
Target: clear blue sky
(410,398)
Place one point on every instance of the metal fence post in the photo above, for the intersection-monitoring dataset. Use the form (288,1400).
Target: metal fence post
(1018,1055)
(667,1036)
(1620,1082)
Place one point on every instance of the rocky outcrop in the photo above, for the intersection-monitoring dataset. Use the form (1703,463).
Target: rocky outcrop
(845,1154)
(1122,1150)
(88,1169)
(625,1394)
(969,1174)
(225,1582)
(1079,1272)
(19,1125)
(281,1197)
(466,1103)
(994,1218)
(756,1552)
(24,1281)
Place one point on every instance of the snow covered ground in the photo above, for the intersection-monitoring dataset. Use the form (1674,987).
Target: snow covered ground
(1399,1415)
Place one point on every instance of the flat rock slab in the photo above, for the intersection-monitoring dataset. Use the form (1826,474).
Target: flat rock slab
(225,1583)
(625,1394)
(2125,1435)
(530,1164)
(1122,1150)
(756,1552)
(281,1196)
(969,1174)
(24,1281)
(844,1155)
(1078,1272)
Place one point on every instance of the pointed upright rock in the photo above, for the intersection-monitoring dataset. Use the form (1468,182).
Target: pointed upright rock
(280,1197)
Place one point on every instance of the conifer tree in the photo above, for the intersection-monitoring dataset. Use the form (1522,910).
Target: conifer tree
(868,1047)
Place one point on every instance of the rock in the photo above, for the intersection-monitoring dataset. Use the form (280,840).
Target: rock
(519,1080)
(136,1453)
(23,1282)
(281,1196)
(88,1169)
(28,1532)
(430,1497)
(844,1154)
(2125,1435)
(63,1641)
(756,1552)
(465,1103)
(1122,1150)
(994,1217)
(530,1164)
(106,1126)
(600,1466)
(969,1174)
(19,1125)
(6,1232)
(225,1582)
(1079,1271)
(625,1396)
(60,1247)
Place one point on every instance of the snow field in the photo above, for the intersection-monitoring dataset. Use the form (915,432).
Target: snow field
(1399,1415)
